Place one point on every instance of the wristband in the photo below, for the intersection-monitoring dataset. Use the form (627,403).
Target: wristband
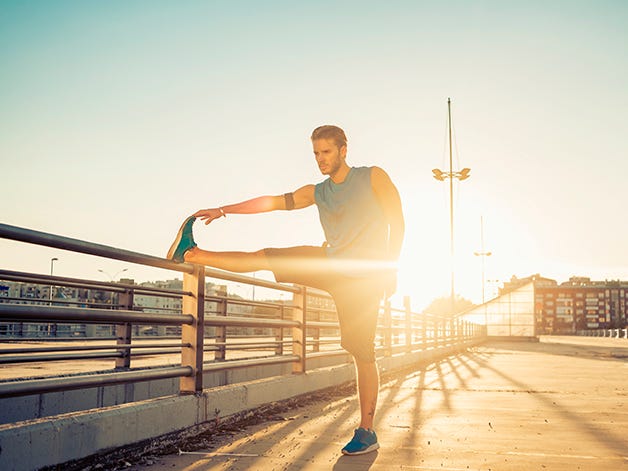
(222,211)
(289,199)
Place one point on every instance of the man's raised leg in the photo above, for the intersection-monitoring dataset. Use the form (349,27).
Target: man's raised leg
(184,249)
(240,262)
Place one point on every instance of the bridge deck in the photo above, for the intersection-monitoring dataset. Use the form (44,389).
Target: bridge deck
(560,404)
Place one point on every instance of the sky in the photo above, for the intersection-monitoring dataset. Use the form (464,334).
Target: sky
(119,119)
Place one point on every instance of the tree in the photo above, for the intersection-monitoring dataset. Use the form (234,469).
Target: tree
(442,306)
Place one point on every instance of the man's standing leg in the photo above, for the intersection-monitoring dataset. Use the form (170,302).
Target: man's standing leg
(358,313)
(368,389)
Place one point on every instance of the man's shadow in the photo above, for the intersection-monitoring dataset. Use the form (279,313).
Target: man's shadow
(355,463)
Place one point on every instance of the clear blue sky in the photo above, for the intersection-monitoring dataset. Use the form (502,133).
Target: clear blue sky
(118,119)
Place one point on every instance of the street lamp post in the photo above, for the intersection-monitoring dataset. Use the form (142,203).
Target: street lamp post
(482,253)
(441,176)
(112,278)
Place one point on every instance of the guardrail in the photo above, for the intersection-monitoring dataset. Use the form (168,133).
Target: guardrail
(294,332)
(611,333)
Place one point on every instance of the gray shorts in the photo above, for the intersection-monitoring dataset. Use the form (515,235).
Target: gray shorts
(357,298)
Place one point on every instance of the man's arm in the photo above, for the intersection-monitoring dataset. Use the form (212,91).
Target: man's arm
(388,197)
(301,198)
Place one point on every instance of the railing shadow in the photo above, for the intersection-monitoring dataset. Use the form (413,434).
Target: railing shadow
(614,442)
(445,375)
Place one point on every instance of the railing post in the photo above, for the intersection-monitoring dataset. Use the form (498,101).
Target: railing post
(449,327)
(316,336)
(279,334)
(406,305)
(424,331)
(221,331)
(124,332)
(193,334)
(459,334)
(299,337)
(436,336)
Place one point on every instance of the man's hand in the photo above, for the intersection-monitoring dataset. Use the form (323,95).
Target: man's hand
(208,215)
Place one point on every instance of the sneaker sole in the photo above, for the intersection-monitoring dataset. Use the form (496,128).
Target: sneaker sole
(371,448)
(177,240)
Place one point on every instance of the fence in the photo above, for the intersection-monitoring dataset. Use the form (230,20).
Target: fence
(213,331)
(611,333)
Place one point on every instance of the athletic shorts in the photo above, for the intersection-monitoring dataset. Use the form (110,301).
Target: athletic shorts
(357,299)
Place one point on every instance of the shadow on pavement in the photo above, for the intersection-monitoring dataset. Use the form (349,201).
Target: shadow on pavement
(613,442)
(355,463)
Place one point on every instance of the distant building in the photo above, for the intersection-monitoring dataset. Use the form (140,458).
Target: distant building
(577,304)
(581,304)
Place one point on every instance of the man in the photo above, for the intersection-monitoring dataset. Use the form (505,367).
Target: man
(360,211)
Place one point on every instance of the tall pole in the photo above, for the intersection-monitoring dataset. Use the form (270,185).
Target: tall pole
(441,176)
(483,253)
(112,278)
(451,212)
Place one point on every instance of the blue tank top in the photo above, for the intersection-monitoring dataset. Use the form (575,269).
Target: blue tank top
(352,218)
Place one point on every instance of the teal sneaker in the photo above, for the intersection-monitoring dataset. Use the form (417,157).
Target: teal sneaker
(363,441)
(183,242)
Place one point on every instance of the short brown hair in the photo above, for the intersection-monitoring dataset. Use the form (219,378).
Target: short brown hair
(329,131)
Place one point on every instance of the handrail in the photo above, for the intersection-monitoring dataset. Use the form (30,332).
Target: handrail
(35,386)
(86,284)
(294,326)
(24,312)
(90,248)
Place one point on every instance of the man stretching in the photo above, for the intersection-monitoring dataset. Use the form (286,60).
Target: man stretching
(360,211)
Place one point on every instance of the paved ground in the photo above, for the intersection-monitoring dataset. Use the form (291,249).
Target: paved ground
(561,404)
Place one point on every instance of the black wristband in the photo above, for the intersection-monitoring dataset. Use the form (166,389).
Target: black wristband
(289,201)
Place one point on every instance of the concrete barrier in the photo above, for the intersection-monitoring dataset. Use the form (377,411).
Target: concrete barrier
(32,444)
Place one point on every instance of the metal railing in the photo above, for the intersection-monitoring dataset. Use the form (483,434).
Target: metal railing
(610,333)
(305,328)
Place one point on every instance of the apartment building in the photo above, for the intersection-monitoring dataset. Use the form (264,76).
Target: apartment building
(577,304)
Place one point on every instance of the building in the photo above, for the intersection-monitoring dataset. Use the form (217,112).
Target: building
(581,304)
(536,305)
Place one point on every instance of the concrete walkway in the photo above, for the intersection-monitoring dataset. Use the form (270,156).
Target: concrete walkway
(561,404)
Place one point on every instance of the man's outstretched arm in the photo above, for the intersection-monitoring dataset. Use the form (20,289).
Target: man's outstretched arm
(301,198)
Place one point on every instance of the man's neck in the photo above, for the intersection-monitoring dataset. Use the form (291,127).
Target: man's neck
(341,174)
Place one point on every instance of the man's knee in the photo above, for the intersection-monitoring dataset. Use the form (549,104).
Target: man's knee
(361,353)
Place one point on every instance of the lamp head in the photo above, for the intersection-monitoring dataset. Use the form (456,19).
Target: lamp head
(438,174)
(464,174)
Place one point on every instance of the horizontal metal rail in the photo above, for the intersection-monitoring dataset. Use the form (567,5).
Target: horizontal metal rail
(25,312)
(69,348)
(258,361)
(322,325)
(89,284)
(245,345)
(75,245)
(37,386)
(326,353)
(90,248)
(64,302)
(5,360)
(233,321)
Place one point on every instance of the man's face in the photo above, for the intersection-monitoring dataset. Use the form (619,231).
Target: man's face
(328,156)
